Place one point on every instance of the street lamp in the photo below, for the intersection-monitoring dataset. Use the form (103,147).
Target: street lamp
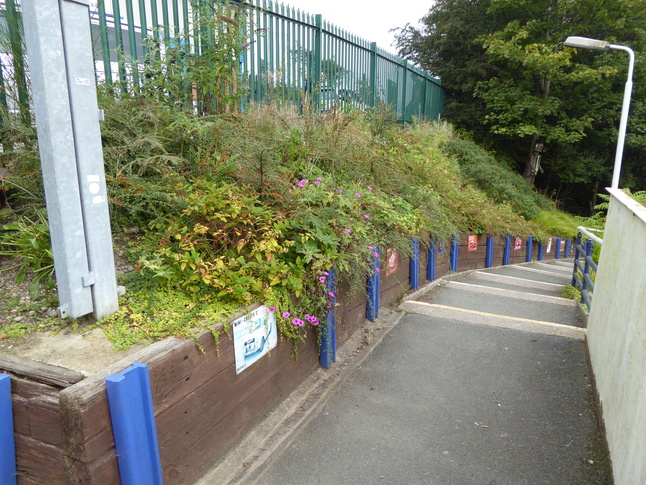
(602,45)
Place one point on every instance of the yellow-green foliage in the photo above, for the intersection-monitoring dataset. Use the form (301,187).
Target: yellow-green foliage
(557,223)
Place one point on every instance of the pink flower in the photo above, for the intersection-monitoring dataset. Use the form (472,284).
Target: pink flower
(326,273)
(378,270)
(357,195)
(316,182)
(375,254)
(297,322)
(371,247)
(340,191)
(272,309)
(322,279)
(319,178)
(348,230)
(369,188)
(286,315)
(302,183)
(331,295)
(366,216)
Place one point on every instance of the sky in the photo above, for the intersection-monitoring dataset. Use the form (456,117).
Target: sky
(367,18)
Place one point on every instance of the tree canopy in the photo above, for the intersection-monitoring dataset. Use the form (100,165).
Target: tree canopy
(551,111)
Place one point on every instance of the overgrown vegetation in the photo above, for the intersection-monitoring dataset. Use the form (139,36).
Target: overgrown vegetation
(220,209)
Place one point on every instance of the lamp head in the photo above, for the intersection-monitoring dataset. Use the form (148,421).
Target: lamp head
(586,43)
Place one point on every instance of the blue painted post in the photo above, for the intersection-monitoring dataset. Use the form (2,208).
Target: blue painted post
(507,252)
(414,264)
(557,251)
(566,251)
(577,255)
(327,353)
(530,248)
(432,261)
(489,252)
(7,443)
(453,259)
(133,426)
(374,287)
(586,268)
(539,255)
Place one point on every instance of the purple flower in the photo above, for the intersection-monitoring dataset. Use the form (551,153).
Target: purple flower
(326,273)
(319,178)
(302,183)
(297,322)
(322,279)
(375,254)
(371,247)
(331,295)
(348,230)
(362,175)
(340,191)
(357,195)
(369,188)
(286,315)
(378,270)
(314,321)
(272,309)
(366,216)
(316,182)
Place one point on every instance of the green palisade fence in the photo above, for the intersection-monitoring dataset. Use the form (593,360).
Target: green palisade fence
(288,56)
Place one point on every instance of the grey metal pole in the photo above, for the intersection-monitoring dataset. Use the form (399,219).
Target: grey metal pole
(621,138)
(79,62)
(67,123)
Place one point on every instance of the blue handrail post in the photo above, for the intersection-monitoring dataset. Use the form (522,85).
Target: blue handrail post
(133,426)
(432,261)
(507,252)
(577,255)
(489,252)
(7,441)
(539,254)
(530,249)
(566,250)
(557,251)
(454,253)
(586,268)
(327,353)
(374,287)
(414,264)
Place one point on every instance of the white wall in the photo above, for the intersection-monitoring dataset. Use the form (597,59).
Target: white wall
(617,337)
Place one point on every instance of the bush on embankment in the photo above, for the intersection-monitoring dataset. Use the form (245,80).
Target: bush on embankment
(258,206)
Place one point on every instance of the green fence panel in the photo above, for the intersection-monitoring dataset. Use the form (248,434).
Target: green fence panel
(289,56)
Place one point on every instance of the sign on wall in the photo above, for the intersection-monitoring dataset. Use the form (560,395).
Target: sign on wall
(254,335)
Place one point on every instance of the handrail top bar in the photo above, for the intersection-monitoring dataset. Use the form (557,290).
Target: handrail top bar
(588,233)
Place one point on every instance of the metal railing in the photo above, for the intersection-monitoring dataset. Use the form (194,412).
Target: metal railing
(285,55)
(581,276)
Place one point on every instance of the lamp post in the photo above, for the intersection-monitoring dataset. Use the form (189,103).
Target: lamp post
(602,45)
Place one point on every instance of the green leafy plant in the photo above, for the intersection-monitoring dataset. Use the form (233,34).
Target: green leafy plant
(27,241)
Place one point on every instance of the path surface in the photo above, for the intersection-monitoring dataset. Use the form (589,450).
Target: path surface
(483,380)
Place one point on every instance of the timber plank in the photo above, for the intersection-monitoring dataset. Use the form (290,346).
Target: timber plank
(39,462)
(45,373)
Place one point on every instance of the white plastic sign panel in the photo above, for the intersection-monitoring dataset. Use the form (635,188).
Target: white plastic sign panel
(253,336)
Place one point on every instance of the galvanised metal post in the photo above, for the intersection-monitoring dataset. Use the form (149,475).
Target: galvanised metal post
(530,241)
(489,252)
(59,46)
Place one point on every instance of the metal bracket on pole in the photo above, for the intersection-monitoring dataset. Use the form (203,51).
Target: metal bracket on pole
(59,49)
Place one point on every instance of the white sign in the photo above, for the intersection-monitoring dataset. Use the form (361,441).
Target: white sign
(253,336)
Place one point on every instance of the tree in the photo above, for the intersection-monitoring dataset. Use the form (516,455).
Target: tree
(511,84)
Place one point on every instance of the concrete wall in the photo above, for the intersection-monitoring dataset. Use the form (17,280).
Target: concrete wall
(617,337)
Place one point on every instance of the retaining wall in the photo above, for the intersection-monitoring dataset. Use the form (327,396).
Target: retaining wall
(63,431)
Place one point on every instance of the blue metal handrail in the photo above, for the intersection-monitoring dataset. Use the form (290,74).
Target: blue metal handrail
(585,283)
